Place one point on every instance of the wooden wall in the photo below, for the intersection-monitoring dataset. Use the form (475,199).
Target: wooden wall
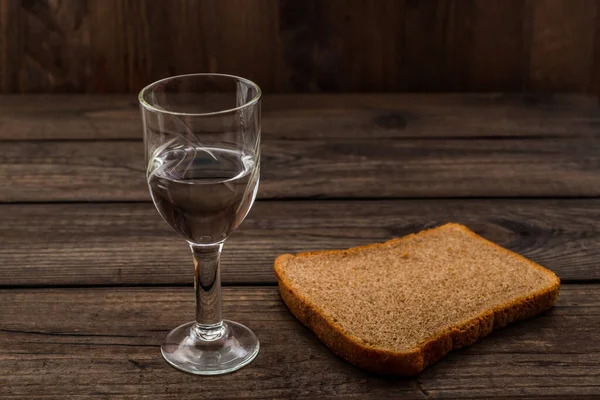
(303,45)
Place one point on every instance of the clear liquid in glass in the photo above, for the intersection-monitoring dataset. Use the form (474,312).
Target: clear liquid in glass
(203,193)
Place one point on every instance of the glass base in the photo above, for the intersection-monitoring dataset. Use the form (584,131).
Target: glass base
(210,352)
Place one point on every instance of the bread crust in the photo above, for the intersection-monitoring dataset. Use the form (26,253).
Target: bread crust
(412,362)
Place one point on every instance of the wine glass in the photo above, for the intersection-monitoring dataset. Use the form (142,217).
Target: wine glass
(202,146)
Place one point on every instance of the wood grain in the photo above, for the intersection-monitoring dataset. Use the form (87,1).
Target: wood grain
(104,46)
(562,30)
(321,168)
(129,244)
(56,47)
(11,46)
(306,116)
(97,343)
(594,86)
(243,38)
(460,48)
(495,60)
(447,146)
(347,54)
(426,48)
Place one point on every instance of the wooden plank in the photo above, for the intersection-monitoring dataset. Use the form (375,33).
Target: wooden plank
(594,86)
(562,44)
(387,46)
(337,45)
(495,60)
(11,50)
(113,45)
(69,117)
(332,45)
(323,116)
(330,168)
(460,48)
(54,47)
(241,38)
(427,62)
(112,170)
(115,244)
(97,343)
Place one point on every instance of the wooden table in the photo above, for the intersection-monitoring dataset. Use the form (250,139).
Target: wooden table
(92,279)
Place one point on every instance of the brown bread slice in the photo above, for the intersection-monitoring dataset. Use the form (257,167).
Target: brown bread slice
(399,306)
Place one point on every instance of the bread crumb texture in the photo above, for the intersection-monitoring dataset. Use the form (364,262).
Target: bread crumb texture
(414,298)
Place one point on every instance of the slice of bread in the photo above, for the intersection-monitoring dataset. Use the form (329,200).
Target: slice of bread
(399,306)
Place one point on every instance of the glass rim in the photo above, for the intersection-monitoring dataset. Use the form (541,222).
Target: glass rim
(153,108)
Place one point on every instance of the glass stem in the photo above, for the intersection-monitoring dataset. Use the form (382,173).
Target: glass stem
(207,285)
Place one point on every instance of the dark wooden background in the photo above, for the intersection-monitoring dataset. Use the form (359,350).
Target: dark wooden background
(303,45)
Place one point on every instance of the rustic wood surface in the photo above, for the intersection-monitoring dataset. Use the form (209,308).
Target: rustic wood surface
(105,343)
(286,45)
(339,171)
(308,116)
(129,244)
(335,168)
(437,146)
